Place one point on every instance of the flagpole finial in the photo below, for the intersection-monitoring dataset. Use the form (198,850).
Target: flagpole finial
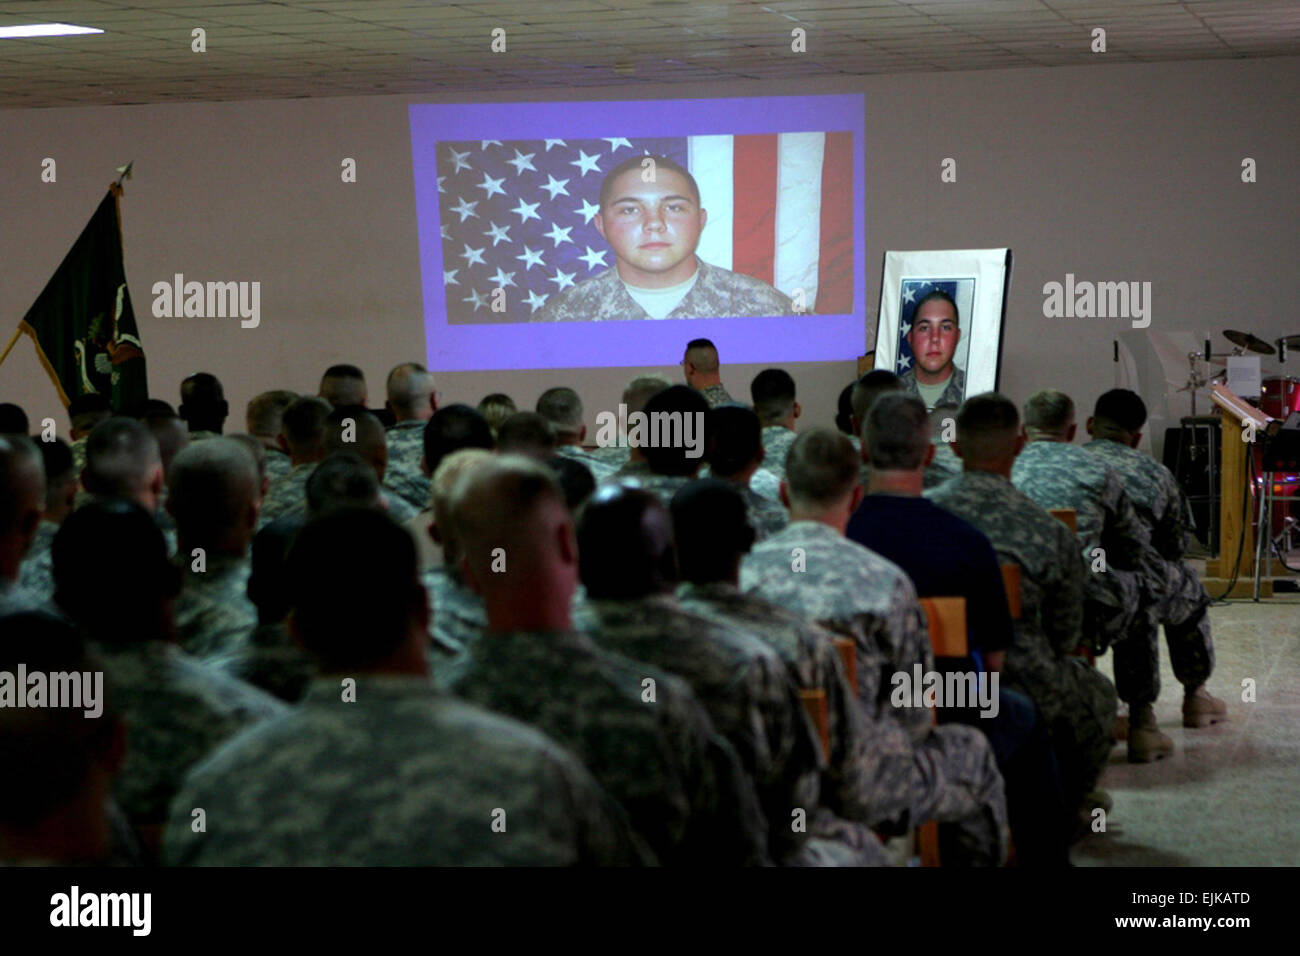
(124,173)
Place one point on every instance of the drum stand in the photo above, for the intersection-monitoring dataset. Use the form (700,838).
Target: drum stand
(1264,536)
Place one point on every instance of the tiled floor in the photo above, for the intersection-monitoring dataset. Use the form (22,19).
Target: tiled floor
(1230,794)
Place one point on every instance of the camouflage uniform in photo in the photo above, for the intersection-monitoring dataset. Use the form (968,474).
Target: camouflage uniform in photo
(400,776)
(271,660)
(953,393)
(1060,475)
(1076,700)
(678,779)
(717,293)
(1180,599)
(177,710)
(213,613)
(287,496)
(404,476)
(874,775)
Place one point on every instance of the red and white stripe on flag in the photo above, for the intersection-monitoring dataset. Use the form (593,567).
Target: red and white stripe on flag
(779,210)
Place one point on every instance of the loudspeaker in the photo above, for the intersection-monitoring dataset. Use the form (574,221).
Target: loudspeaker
(1192,454)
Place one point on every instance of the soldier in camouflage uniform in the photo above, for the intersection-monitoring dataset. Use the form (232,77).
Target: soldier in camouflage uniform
(214,498)
(663,469)
(562,407)
(22,499)
(1076,700)
(413,401)
(614,455)
(35,574)
(263,419)
(203,405)
(873,773)
(703,372)
(639,730)
(303,424)
(735,454)
(773,392)
(1180,601)
(627,561)
(176,709)
(375,766)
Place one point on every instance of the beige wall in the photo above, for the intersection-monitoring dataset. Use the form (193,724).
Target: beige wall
(1111,172)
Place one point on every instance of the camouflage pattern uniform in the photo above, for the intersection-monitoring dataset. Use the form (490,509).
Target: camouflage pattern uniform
(36,573)
(287,496)
(600,468)
(1180,599)
(766,484)
(15,598)
(943,466)
(401,776)
(271,660)
(716,395)
(612,457)
(755,704)
(681,783)
(213,613)
(717,293)
(874,774)
(1061,475)
(276,462)
(459,617)
(777,440)
(953,393)
(405,452)
(1076,700)
(176,710)
(764,514)
(78,449)
(399,509)
(856,593)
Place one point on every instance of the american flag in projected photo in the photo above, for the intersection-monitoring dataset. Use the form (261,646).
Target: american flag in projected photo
(913,291)
(517,215)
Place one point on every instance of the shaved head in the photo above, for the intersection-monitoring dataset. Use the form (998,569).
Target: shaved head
(358,431)
(988,429)
(123,461)
(1049,412)
(22,499)
(625,539)
(703,354)
(820,469)
(410,391)
(214,494)
(343,385)
(264,411)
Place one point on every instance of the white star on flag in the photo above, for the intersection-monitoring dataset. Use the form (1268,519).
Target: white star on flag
(445,233)
(530,259)
(615,142)
(586,164)
(556,186)
(522,162)
(907,327)
(475,298)
(536,301)
(526,211)
(498,234)
(503,279)
(440,179)
(905,362)
(554,142)
(587,211)
(465,210)
(485,143)
(491,186)
(472,256)
(558,235)
(459,160)
(909,294)
(593,258)
(562,279)
(449,277)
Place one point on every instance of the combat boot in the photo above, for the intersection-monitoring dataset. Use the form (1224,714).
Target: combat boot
(1200,709)
(1145,741)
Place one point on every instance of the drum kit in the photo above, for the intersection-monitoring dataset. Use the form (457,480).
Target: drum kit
(1280,394)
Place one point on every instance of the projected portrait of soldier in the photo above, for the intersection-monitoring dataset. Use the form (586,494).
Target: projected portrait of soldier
(933,340)
(652,217)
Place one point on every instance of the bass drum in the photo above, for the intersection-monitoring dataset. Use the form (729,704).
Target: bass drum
(1281,396)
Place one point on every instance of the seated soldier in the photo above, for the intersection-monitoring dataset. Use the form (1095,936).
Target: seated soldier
(735,454)
(1058,474)
(412,401)
(375,767)
(203,405)
(639,391)
(946,557)
(343,385)
(1075,699)
(270,658)
(628,564)
(496,408)
(58,762)
(214,498)
(777,411)
(675,443)
(303,439)
(22,497)
(450,429)
(563,409)
(354,430)
(36,575)
(176,709)
(681,784)
(527,433)
(264,420)
(873,775)
(866,390)
(1182,603)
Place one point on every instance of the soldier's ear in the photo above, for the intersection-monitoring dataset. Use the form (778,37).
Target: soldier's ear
(599,220)
(1070,433)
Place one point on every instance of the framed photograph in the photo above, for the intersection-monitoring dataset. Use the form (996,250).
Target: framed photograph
(940,321)
(565,235)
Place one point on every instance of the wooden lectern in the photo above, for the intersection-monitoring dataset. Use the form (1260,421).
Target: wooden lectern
(1236,536)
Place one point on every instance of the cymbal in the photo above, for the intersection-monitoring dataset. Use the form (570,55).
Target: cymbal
(1247,341)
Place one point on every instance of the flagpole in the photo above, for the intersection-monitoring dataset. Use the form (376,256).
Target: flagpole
(12,342)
